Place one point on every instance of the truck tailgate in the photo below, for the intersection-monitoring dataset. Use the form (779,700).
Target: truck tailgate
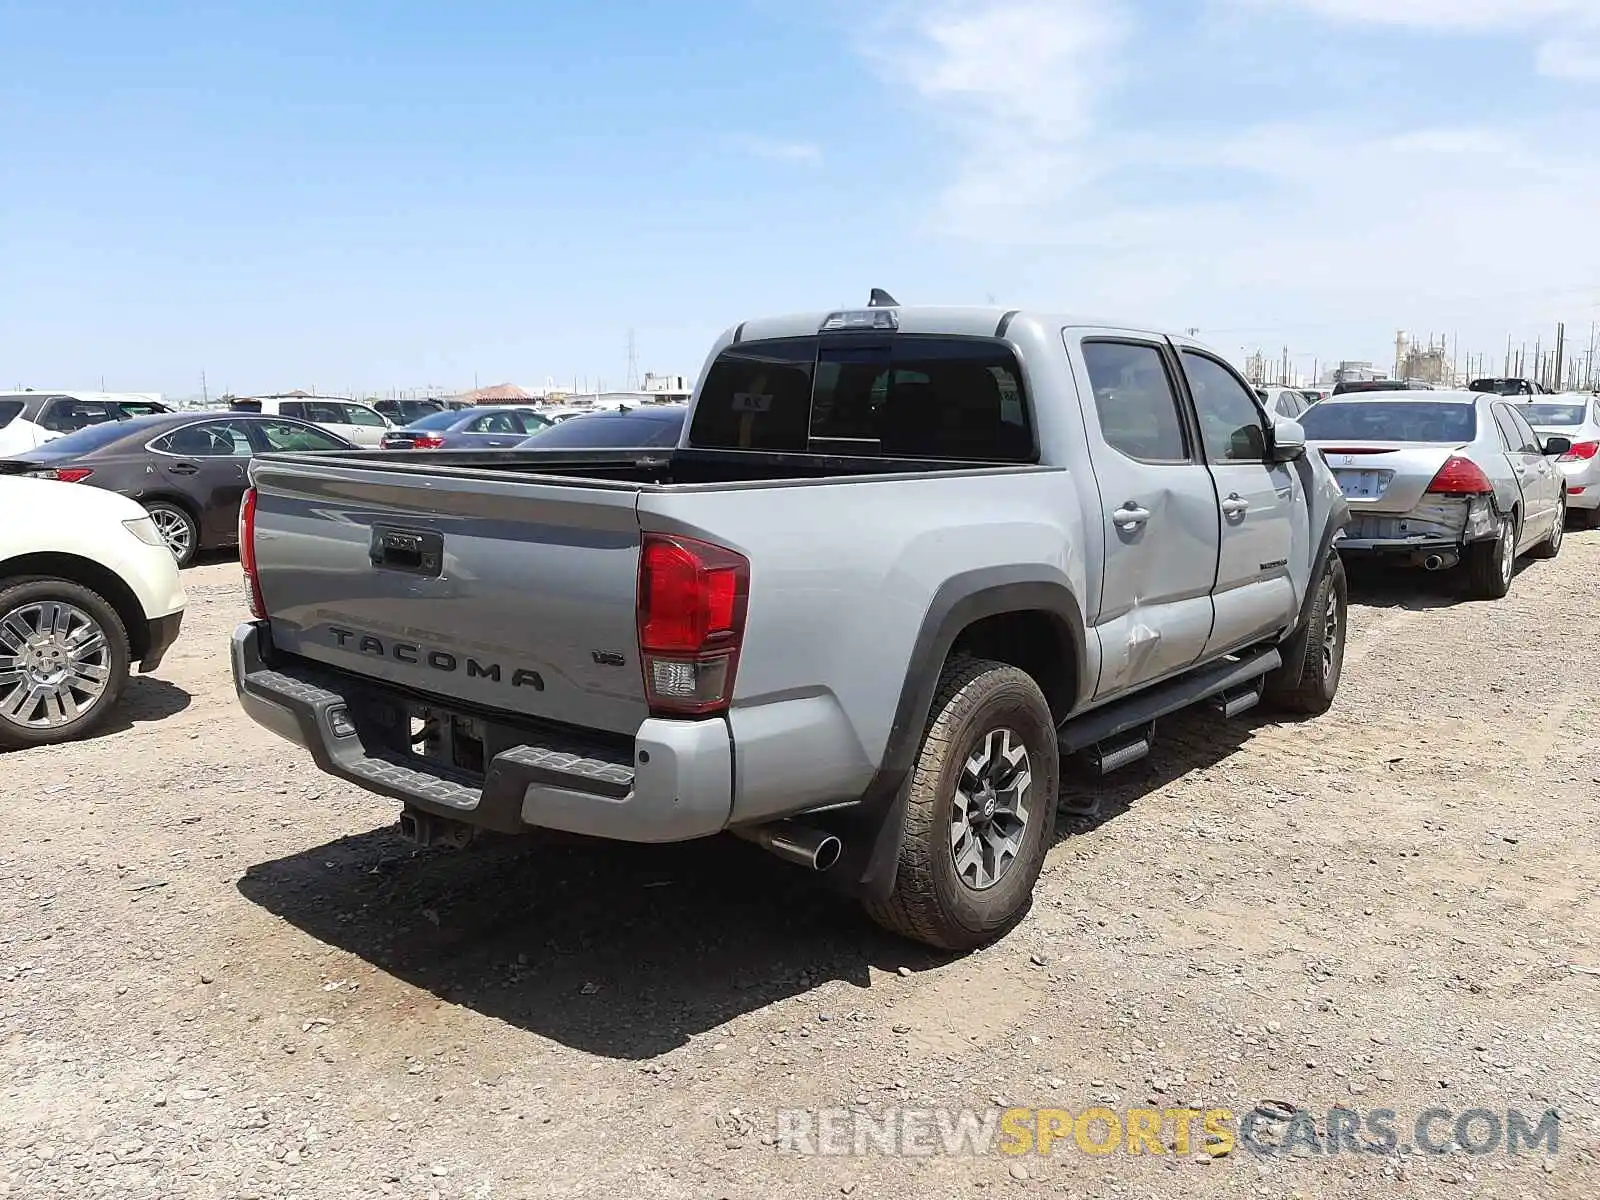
(513,594)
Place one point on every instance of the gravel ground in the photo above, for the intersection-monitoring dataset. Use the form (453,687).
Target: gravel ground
(222,975)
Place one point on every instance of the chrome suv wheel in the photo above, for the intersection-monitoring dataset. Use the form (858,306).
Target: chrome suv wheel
(63,661)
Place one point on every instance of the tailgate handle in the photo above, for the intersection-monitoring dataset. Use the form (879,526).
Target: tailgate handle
(415,552)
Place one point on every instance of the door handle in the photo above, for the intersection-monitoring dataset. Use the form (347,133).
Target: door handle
(1130,516)
(183,469)
(1235,505)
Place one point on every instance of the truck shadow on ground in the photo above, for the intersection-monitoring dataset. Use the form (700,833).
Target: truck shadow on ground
(628,951)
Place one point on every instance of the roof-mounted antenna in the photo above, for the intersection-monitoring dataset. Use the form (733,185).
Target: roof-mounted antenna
(882,299)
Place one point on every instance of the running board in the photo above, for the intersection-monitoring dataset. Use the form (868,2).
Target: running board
(1237,700)
(1105,757)
(1111,723)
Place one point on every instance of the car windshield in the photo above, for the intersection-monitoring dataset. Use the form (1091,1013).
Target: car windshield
(1391,421)
(90,437)
(601,430)
(1555,414)
(436,420)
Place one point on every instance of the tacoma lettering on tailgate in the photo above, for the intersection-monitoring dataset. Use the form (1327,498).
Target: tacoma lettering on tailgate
(439,660)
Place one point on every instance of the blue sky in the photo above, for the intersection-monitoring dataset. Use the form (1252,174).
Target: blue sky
(369,196)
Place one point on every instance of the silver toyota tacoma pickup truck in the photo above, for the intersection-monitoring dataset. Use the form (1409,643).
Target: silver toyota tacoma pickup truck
(903,562)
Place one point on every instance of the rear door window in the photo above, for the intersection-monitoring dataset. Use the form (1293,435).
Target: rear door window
(1135,401)
(67,415)
(910,396)
(360,414)
(8,411)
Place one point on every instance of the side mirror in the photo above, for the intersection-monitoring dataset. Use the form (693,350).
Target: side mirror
(1555,444)
(1288,440)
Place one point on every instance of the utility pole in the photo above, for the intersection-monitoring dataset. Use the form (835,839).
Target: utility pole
(633,364)
(205,396)
(1561,346)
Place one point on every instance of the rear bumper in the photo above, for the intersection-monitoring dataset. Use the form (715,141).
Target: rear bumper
(160,633)
(675,784)
(1439,526)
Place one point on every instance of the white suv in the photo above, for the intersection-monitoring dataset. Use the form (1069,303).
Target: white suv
(87,587)
(354,422)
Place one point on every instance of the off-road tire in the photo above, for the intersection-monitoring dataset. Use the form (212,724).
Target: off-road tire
(1551,546)
(930,903)
(14,594)
(1487,578)
(1309,679)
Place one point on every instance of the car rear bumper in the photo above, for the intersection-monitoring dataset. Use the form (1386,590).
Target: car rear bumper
(673,783)
(1441,525)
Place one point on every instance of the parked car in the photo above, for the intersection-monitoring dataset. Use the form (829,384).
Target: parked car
(1320,392)
(86,588)
(186,469)
(1508,387)
(1283,401)
(471,428)
(355,423)
(403,412)
(905,559)
(30,419)
(1575,417)
(1435,479)
(650,425)
(1360,386)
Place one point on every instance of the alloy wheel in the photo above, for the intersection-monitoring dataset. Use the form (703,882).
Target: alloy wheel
(1332,631)
(55,664)
(1508,551)
(989,816)
(175,530)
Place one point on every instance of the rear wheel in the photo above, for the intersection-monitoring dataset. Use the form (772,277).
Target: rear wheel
(63,661)
(177,528)
(1551,546)
(1490,563)
(980,810)
(1313,660)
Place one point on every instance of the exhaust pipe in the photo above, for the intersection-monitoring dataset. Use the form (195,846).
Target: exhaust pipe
(803,846)
(1439,562)
(425,829)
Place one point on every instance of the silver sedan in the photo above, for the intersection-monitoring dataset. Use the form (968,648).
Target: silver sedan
(1436,479)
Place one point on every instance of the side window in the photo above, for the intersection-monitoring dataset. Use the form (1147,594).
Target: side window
(529,422)
(67,415)
(288,435)
(325,414)
(1509,436)
(1135,401)
(292,408)
(1230,419)
(360,414)
(1527,439)
(212,439)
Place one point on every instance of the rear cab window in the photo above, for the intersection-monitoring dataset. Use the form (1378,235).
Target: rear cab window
(9,410)
(904,396)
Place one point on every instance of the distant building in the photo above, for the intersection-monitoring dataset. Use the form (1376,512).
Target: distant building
(1351,371)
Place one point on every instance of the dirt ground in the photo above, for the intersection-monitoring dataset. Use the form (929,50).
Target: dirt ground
(223,975)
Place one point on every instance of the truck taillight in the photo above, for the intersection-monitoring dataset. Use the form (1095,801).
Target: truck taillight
(1460,477)
(693,597)
(247,555)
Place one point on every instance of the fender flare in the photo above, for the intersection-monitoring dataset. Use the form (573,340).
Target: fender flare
(874,827)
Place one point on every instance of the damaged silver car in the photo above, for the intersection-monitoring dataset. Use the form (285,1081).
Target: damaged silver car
(1443,479)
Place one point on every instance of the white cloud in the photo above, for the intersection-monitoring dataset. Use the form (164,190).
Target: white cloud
(1570,58)
(1017,84)
(777,150)
(1445,15)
